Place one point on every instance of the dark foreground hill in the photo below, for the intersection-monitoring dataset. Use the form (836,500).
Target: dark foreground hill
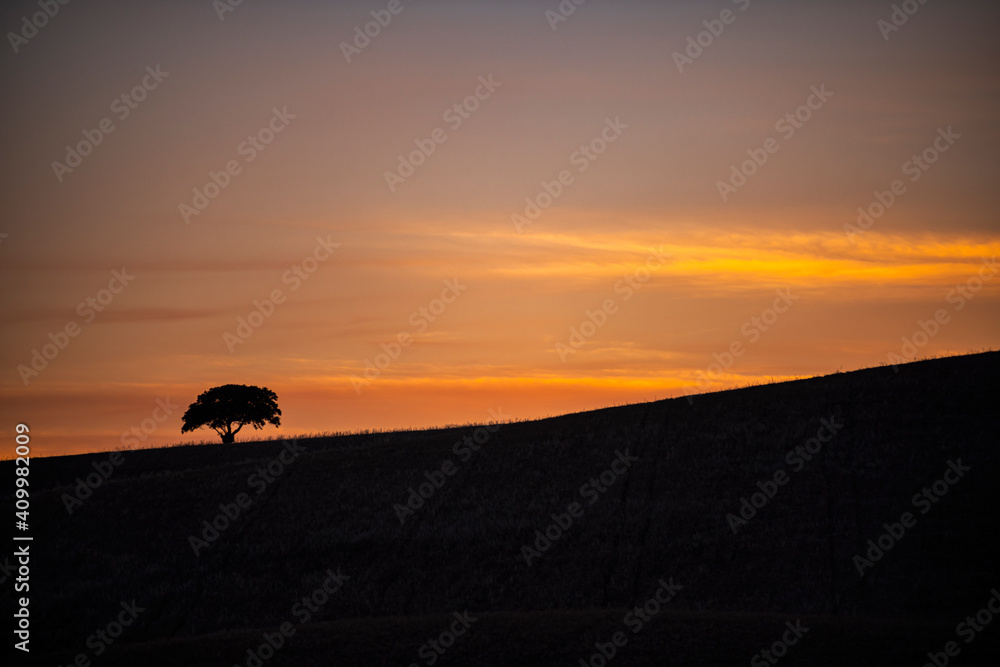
(538,547)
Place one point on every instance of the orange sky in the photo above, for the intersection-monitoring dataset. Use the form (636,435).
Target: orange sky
(591,122)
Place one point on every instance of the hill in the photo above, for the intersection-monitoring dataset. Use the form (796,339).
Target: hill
(678,532)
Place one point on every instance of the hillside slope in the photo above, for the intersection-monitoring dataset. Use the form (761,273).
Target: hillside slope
(674,476)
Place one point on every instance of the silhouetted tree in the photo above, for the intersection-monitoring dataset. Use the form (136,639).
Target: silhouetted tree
(230,407)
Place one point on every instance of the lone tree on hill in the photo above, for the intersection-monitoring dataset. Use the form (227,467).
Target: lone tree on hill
(230,407)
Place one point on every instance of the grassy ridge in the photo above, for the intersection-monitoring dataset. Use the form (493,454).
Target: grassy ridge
(333,507)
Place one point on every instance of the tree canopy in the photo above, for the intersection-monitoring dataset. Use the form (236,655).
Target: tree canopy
(230,407)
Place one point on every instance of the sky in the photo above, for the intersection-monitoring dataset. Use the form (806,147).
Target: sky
(481,210)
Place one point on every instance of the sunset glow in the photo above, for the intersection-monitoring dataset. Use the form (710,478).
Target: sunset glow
(564,247)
